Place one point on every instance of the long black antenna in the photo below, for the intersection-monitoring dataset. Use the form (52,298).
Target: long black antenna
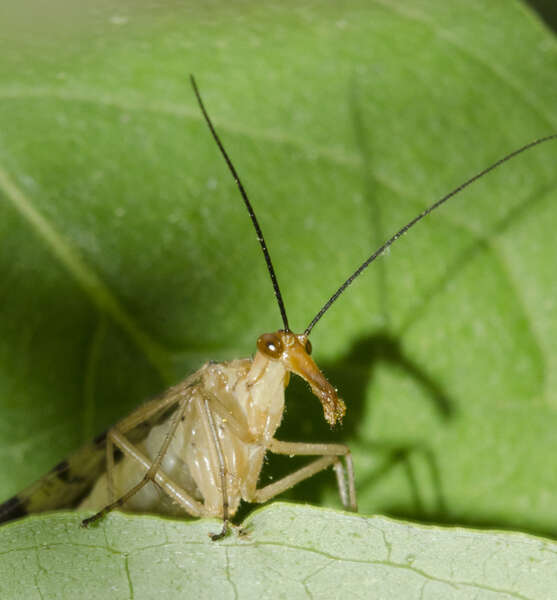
(404,229)
(249,207)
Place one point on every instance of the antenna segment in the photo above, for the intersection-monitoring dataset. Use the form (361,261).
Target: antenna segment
(249,207)
(415,220)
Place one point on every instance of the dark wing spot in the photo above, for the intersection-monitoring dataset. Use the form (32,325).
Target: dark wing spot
(14,508)
(63,471)
(101,438)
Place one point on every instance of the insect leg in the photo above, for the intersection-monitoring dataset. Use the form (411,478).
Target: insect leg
(330,455)
(110,467)
(153,473)
(345,477)
(206,412)
(177,493)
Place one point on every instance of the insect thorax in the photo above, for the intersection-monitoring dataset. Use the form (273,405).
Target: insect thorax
(245,401)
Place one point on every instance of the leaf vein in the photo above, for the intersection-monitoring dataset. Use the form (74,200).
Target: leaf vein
(93,286)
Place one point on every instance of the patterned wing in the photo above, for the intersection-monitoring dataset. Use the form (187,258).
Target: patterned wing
(63,486)
(72,479)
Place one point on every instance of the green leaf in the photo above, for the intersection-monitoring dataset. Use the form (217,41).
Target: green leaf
(286,551)
(127,258)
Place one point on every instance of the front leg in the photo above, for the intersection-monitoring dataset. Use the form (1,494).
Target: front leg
(330,454)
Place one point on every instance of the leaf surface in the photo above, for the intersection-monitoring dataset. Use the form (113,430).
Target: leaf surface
(286,551)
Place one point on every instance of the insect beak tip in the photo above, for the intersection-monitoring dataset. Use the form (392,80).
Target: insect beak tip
(334,411)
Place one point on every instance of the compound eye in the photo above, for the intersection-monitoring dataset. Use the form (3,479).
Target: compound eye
(270,344)
(308,347)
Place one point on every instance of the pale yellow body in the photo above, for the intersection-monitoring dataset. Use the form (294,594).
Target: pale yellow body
(206,456)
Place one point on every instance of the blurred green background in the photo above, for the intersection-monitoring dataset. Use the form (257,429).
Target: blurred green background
(127,259)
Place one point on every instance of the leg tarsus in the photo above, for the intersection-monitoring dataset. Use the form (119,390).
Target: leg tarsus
(120,501)
(222,533)
(91,520)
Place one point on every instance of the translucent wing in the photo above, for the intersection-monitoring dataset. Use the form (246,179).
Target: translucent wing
(72,479)
(62,487)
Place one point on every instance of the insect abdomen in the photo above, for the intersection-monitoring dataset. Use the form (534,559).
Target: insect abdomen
(128,472)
